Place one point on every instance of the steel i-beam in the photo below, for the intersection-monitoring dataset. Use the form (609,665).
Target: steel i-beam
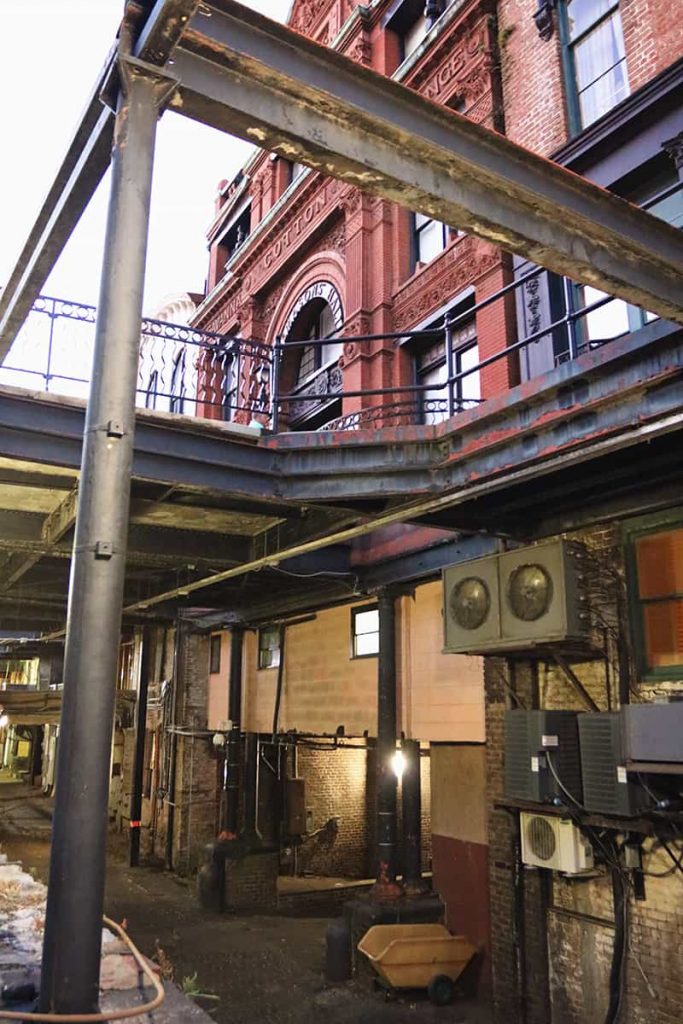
(244,74)
(71,968)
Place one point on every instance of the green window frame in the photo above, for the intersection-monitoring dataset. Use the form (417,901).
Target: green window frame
(596,79)
(656,598)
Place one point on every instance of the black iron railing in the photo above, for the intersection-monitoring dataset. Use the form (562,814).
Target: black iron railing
(187,371)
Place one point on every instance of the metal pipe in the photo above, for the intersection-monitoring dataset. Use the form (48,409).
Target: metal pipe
(275,385)
(140,736)
(411,806)
(230,818)
(71,969)
(386,886)
(450,364)
(282,633)
(178,654)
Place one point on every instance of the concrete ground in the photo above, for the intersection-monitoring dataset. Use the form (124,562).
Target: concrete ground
(248,969)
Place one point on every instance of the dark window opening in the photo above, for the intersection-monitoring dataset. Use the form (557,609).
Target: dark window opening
(235,237)
(431,371)
(178,389)
(152,389)
(215,654)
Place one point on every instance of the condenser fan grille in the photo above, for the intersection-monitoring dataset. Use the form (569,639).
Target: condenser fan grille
(541,838)
(530,592)
(470,602)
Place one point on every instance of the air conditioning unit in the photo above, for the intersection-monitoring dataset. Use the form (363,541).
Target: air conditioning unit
(554,843)
(607,787)
(652,736)
(536,743)
(533,596)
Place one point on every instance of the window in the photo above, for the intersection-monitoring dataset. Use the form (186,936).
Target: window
(315,356)
(662,196)
(430,237)
(178,391)
(595,58)
(364,631)
(269,647)
(236,233)
(215,654)
(152,389)
(432,370)
(657,601)
(411,20)
(296,170)
(414,36)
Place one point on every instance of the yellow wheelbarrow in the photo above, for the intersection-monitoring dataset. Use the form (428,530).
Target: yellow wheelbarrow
(417,956)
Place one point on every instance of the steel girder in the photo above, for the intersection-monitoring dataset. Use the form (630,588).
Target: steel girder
(83,167)
(249,76)
(242,73)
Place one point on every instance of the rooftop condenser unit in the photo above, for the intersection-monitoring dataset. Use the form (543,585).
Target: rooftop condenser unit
(540,745)
(530,597)
(607,788)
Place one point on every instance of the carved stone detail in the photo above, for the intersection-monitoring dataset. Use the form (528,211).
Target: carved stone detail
(674,149)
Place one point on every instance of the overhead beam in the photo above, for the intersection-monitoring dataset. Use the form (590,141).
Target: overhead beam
(244,74)
(82,169)
(54,527)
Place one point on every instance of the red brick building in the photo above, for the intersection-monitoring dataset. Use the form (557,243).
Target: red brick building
(296,257)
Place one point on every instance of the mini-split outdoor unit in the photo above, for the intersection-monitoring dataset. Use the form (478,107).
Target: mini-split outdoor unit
(554,843)
(542,747)
(529,597)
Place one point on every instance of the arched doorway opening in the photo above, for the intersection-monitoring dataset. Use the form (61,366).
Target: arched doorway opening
(310,374)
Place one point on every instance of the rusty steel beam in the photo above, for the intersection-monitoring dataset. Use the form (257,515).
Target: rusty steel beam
(244,74)
(84,165)
(56,524)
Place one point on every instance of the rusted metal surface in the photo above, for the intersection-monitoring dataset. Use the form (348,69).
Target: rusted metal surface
(242,73)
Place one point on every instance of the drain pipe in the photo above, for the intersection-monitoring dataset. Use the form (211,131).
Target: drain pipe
(386,886)
(230,807)
(170,793)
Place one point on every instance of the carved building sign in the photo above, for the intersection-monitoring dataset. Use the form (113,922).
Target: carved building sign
(320,290)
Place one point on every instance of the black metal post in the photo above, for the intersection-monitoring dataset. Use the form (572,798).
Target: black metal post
(411,805)
(135,823)
(386,886)
(230,816)
(275,386)
(73,924)
(450,364)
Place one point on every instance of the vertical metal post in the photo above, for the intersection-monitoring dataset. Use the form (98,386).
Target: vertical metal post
(230,818)
(73,924)
(386,886)
(450,363)
(411,806)
(275,386)
(135,823)
(50,343)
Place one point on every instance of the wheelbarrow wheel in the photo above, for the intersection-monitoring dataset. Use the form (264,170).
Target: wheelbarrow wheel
(441,990)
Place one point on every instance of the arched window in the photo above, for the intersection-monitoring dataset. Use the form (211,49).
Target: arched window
(178,390)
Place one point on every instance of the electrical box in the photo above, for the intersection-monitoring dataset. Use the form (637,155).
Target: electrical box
(607,787)
(533,596)
(535,743)
(296,807)
(554,843)
(652,736)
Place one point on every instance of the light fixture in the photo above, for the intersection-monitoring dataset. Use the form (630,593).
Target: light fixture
(4,721)
(398,763)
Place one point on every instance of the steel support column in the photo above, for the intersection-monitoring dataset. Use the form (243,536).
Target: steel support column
(386,886)
(230,821)
(71,969)
(135,823)
(411,818)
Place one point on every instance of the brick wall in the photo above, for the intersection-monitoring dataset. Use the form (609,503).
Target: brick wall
(251,883)
(568,926)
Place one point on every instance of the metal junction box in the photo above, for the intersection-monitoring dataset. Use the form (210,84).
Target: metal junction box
(531,739)
(652,736)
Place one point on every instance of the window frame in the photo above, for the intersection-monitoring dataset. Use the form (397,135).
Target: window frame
(415,232)
(568,46)
(634,531)
(215,649)
(466,345)
(362,609)
(262,650)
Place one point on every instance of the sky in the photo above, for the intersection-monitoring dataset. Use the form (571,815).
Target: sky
(51,52)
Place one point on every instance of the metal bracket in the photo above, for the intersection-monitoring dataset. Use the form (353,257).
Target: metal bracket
(114,429)
(104,549)
(130,68)
(544,18)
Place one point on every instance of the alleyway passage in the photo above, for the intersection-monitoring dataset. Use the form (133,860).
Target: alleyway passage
(263,970)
